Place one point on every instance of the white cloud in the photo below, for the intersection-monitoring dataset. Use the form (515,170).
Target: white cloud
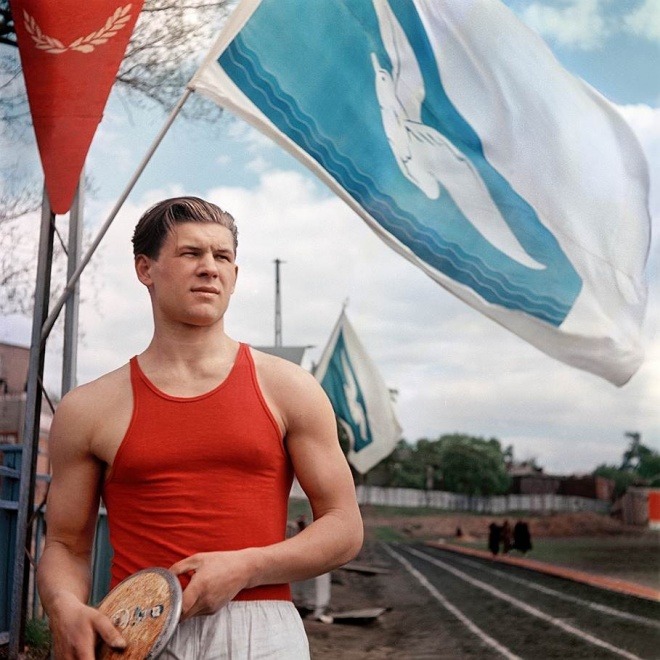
(258,164)
(580,24)
(645,20)
(253,139)
(586,24)
(16,329)
(454,369)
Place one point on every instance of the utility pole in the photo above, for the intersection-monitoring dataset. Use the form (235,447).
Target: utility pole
(278,304)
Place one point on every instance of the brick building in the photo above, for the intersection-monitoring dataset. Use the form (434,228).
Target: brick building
(14,360)
(527,479)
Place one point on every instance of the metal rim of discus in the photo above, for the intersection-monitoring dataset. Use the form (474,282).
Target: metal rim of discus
(173,615)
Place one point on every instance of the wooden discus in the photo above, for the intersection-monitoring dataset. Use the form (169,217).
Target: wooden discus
(145,607)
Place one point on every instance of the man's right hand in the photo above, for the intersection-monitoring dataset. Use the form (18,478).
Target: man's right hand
(77,628)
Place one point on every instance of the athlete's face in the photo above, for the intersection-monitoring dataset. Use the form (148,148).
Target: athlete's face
(194,275)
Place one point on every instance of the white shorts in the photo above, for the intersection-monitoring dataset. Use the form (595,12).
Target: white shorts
(242,630)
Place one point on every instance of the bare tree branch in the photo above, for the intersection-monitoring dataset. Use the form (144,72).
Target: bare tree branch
(169,40)
(7,32)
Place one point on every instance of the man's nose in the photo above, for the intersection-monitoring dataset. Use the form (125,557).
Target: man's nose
(207,265)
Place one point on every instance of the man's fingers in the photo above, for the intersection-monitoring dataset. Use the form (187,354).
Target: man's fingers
(185,565)
(189,601)
(108,633)
(189,607)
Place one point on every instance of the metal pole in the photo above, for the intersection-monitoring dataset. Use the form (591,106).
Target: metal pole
(70,349)
(278,304)
(31,431)
(68,289)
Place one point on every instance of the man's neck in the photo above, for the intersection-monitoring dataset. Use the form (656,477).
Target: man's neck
(189,343)
(196,357)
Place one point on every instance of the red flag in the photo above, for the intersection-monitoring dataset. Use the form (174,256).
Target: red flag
(70,53)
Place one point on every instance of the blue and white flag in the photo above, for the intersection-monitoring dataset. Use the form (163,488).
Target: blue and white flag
(450,128)
(359,397)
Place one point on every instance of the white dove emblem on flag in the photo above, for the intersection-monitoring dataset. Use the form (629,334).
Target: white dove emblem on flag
(355,405)
(425,156)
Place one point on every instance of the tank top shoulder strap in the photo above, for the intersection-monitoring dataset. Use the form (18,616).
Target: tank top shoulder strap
(245,361)
(135,371)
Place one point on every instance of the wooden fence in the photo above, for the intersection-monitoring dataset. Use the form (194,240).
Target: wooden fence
(494,505)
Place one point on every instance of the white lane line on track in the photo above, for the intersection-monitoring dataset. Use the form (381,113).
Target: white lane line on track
(487,639)
(524,606)
(558,594)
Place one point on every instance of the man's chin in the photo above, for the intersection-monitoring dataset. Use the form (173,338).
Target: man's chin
(203,321)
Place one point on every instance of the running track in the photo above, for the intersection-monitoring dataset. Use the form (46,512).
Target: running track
(512,612)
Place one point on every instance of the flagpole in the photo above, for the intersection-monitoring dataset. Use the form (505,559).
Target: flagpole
(331,338)
(71,284)
(70,348)
(30,431)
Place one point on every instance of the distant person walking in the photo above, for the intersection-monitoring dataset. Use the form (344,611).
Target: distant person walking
(522,539)
(506,537)
(494,534)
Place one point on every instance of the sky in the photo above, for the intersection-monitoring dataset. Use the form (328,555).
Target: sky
(454,369)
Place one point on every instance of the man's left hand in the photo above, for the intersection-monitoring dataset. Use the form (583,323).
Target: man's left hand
(216,577)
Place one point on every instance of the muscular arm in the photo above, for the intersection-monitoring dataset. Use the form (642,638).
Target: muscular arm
(335,535)
(332,539)
(64,572)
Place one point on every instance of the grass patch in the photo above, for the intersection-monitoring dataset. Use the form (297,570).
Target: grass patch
(37,634)
(389,535)
(378,510)
(299,508)
(635,558)
(632,558)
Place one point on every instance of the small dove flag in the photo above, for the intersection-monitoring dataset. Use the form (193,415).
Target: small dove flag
(359,397)
(451,129)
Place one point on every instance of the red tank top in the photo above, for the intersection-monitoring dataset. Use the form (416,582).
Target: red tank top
(198,474)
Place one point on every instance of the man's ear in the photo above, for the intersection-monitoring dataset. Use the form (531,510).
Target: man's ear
(143,269)
(235,278)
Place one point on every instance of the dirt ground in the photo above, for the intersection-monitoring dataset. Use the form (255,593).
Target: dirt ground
(407,628)
(409,625)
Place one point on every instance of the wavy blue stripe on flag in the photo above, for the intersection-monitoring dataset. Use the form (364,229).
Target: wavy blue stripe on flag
(359,397)
(454,133)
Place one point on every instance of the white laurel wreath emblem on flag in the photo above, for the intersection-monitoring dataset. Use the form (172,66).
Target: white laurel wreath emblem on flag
(83,44)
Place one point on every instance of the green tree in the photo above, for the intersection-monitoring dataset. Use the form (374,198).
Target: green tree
(622,479)
(640,466)
(401,469)
(473,466)
(457,463)
(649,466)
(631,457)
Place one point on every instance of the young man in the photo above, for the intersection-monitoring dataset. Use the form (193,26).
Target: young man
(192,446)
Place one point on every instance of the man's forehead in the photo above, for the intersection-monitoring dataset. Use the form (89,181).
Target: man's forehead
(201,233)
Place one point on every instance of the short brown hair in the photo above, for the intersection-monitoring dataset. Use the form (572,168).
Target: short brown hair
(152,228)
